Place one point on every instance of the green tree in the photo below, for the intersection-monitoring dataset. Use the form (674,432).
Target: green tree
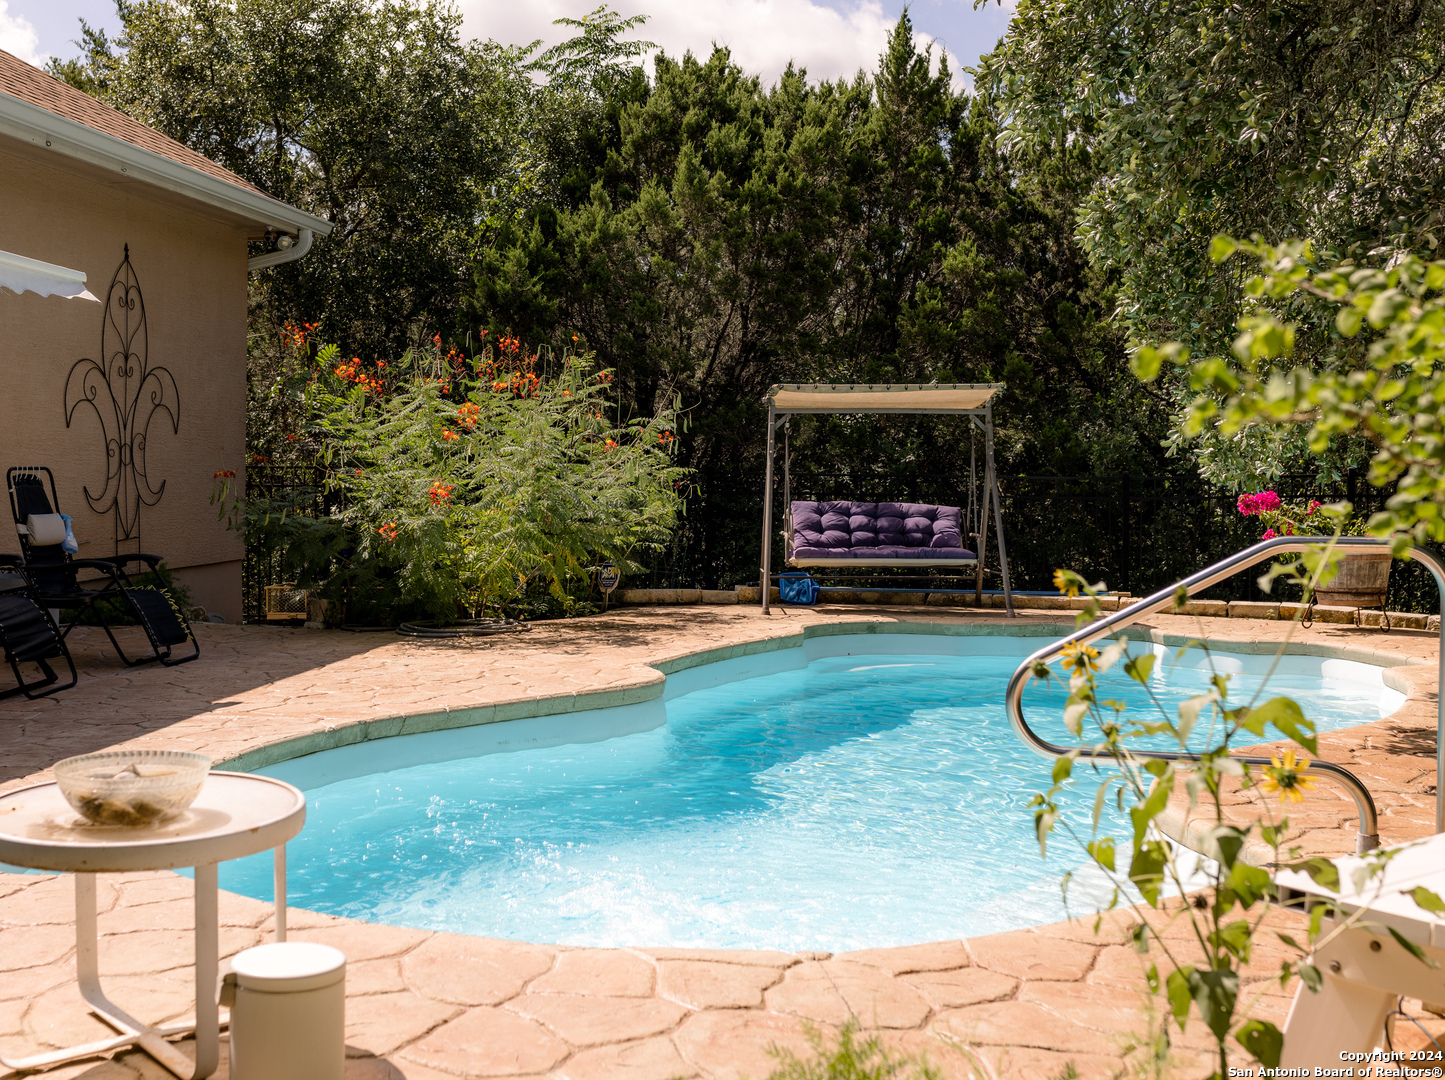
(1319,121)
(373,114)
(1382,376)
(715,236)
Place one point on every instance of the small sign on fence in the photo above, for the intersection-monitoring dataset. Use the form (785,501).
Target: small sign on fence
(608,577)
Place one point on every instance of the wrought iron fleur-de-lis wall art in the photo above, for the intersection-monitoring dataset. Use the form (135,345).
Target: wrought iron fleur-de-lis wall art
(126,393)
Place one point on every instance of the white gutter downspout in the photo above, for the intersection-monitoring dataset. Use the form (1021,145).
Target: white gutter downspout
(276,258)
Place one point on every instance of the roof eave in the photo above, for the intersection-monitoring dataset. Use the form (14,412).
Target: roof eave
(42,128)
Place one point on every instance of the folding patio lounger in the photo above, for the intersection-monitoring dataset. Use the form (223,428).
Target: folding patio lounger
(28,635)
(56,573)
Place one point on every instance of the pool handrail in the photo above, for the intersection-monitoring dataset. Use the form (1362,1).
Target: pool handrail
(1369,836)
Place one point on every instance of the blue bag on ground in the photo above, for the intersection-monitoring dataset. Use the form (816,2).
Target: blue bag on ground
(797,589)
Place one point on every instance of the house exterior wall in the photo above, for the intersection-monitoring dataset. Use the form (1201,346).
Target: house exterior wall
(190,267)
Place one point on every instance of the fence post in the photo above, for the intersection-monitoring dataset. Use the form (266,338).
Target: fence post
(1126,584)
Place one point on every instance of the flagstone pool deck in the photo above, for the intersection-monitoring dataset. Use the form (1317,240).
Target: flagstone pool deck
(1026,1004)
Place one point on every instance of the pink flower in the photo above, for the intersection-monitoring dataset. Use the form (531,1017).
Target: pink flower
(1261,503)
(1269,534)
(1315,504)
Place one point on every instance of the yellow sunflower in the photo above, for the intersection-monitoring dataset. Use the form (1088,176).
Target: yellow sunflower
(1079,657)
(1285,776)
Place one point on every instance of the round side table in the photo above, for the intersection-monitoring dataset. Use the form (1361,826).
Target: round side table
(236,814)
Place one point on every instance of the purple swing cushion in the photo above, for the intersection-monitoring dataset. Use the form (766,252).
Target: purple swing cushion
(855,530)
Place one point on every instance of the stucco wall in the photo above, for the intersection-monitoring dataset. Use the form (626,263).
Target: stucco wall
(191,269)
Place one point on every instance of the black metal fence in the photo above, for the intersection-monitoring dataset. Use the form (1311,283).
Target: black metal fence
(1139,534)
(303,489)
(1135,533)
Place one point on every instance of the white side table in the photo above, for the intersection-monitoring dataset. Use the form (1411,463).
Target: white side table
(1365,972)
(236,814)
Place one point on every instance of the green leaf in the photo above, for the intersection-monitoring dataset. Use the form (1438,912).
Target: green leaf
(1150,808)
(1189,713)
(1410,947)
(1074,714)
(1289,940)
(1146,869)
(1043,825)
(1427,899)
(1249,721)
(1222,247)
(1249,883)
(1224,844)
(1348,321)
(1063,767)
(1263,1040)
(1215,993)
(1311,977)
(1099,797)
(1322,872)
(1139,935)
(1176,986)
(1102,852)
(1234,937)
(1140,667)
(1152,978)
(1289,719)
(1145,362)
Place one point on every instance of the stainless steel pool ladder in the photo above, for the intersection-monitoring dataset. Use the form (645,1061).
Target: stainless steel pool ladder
(1369,837)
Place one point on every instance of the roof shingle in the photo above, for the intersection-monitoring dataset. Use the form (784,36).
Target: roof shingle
(30,84)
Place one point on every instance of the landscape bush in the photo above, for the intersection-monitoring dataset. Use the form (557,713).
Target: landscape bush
(462,485)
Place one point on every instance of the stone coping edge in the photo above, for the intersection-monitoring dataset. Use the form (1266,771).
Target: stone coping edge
(1221,609)
(651,686)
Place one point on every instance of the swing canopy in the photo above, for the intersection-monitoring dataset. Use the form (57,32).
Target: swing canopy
(842,533)
(788,398)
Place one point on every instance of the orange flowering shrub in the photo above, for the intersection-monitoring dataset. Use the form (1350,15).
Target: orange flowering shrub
(469,474)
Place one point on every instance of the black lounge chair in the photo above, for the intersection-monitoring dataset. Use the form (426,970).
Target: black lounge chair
(28,635)
(56,574)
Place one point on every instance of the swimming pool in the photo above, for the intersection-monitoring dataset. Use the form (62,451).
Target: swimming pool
(862,791)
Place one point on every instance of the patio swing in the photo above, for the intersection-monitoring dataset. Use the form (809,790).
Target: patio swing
(842,534)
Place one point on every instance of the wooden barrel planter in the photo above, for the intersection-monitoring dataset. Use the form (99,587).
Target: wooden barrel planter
(1360,581)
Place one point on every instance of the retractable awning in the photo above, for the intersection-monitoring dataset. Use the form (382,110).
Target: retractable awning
(880,397)
(19,274)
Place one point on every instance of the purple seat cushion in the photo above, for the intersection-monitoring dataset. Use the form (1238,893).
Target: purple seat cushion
(849,530)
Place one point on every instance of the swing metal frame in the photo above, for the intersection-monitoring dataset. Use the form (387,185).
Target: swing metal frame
(971,400)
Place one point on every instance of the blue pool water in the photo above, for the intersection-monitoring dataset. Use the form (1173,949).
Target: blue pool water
(860,801)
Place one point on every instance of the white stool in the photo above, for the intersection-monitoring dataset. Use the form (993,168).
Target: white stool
(288,1012)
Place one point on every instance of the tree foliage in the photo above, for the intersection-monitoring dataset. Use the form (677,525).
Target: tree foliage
(1319,121)
(705,234)
(711,236)
(459,483)
(372,114)
(1382,376)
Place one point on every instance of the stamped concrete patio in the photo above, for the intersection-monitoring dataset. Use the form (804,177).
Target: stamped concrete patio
(425,1006)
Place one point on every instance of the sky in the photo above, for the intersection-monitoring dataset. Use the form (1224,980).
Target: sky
(831,38)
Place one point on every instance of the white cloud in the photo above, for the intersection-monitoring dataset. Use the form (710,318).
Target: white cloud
(762,34)
(18,37)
